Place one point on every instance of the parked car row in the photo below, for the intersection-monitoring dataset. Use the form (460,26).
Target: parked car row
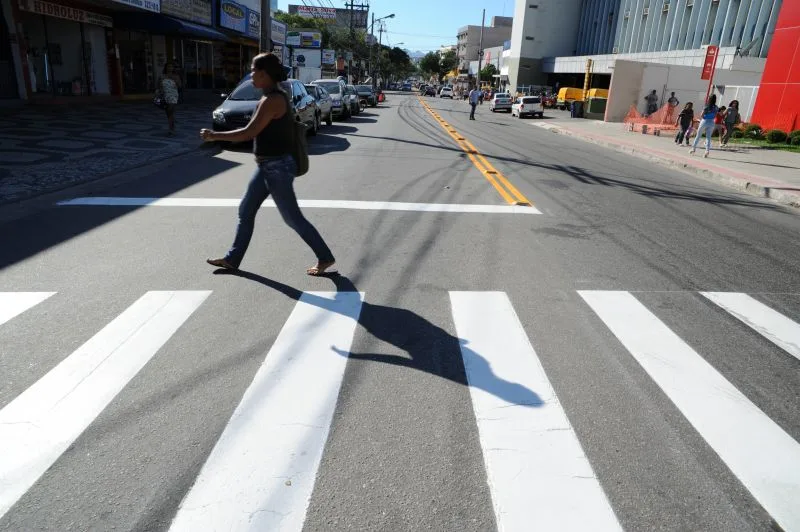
(320,101)
(521,107)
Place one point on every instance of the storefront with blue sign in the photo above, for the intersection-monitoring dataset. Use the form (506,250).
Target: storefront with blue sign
(240,20)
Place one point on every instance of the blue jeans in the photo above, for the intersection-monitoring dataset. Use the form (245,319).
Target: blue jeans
(276,177)
(707,126)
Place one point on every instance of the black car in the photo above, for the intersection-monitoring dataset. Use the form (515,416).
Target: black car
(238,108)
(366,92)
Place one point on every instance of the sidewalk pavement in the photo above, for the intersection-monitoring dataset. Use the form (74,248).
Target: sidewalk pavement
(773,174)
(47,148)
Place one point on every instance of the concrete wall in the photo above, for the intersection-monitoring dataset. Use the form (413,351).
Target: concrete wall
(542,28)
(632,81)
(626,83)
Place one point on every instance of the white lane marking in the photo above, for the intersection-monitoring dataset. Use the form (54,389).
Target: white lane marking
(43,421)
(310,204)
(539,476)
(769,323)
(261,472)
(13,304)
(761,454)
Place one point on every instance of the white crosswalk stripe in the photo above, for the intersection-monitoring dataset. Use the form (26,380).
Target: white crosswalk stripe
(42,422)
(540,478)
(261,472)
(760,453)
(767,322)
(12,304)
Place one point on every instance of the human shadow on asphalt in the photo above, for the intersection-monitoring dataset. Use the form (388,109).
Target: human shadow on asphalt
(360,119)
(430,348)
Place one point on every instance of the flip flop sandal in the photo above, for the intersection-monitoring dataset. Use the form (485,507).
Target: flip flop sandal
(221,263)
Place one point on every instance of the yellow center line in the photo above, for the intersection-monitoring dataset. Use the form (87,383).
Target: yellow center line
(503,186)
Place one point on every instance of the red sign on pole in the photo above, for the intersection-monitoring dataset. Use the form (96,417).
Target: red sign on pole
(710,62)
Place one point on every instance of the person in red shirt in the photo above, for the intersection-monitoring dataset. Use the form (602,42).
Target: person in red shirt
(719,124)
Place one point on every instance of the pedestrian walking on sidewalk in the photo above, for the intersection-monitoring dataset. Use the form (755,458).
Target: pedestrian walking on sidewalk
(169,91)
(685,123)
(707,124)
(272,132)
(474,96)
(732,117)
(719,124)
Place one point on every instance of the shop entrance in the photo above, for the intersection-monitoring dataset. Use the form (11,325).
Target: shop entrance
(8,77)
(136,61)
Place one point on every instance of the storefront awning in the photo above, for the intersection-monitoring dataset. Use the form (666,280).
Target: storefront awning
(164,25)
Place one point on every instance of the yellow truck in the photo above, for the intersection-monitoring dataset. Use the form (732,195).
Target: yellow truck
(567,95)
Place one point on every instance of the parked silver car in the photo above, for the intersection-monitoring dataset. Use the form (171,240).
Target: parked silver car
(501,102)
(324,103)
(340,101)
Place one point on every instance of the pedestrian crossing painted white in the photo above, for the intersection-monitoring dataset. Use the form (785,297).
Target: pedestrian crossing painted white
(42,422)
(304,203)
(261,473)
(762,455)
(539,476)
(12,304)
(769,323)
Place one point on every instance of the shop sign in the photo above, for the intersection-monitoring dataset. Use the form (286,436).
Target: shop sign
(193,10)
(233,16)
(147,5)
(278,32)
(317,12)
(328,57)
(69,13)
(304,39)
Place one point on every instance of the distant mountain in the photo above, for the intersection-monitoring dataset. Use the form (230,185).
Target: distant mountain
(416,55)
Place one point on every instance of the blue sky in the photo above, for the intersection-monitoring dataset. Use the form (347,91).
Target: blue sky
(425,24)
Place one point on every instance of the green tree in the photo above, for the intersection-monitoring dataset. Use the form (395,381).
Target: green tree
(430,64)
(487,72)
(447,62)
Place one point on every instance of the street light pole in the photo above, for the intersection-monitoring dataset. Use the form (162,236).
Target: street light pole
(480,50)
(265,40)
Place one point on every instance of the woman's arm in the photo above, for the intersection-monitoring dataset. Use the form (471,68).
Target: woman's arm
(268,110)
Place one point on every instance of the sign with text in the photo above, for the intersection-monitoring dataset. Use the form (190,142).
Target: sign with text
(710,62)
(68,13)
(328,57)
(193,10)
(304,39)
(233,16)
(147,5)
(317,12)
(278,32)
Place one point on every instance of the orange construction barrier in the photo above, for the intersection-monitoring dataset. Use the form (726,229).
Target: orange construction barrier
(663,119)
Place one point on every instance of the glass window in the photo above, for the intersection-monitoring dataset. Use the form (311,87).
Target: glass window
(246,91)
(332,87)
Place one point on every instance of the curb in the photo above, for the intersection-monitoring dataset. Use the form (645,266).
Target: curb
(749,184)
(43,199)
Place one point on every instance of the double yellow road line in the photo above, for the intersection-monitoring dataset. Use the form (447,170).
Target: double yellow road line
(503,186)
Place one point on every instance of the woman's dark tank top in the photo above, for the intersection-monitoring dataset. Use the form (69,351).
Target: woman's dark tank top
(275,140)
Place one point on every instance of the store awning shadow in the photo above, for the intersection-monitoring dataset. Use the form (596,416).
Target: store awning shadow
(42,229)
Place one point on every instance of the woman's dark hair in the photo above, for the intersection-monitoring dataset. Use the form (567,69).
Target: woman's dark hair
(688,105)
(712,100)
(270,64)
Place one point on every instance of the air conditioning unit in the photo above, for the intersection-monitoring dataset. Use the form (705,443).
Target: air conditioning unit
(665,8)
(689,3)
(628,14)
(646,11)
(615,50)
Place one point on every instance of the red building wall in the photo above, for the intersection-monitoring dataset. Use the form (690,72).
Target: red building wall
(778,103)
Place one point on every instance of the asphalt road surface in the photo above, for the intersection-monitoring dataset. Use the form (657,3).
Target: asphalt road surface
(624,353)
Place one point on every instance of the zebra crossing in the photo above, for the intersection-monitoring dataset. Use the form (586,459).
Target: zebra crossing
(538,474)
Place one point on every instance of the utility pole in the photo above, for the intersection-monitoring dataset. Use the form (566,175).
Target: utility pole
(480,49)
(371,46)
(265,42)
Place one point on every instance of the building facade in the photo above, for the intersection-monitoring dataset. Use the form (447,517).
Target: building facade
(468,46)
(658,30)
(60,50)
(778,101)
